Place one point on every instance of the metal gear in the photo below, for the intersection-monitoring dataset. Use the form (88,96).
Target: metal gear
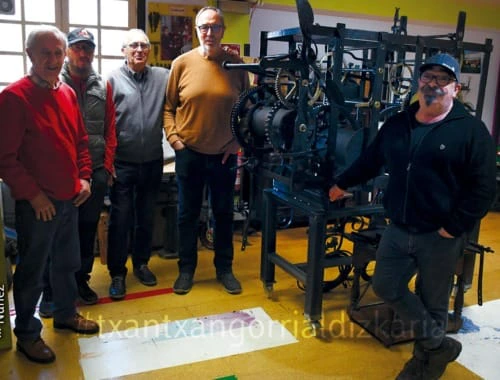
(246,131)
(400,79)
(279,127)
(286,87)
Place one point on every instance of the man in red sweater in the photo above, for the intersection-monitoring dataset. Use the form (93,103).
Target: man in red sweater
(45,161)
(98,110)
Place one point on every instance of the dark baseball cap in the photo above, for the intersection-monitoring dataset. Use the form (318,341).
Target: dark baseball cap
(446,61)
(80,35)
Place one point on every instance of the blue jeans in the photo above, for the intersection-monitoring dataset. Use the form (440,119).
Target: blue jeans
(194,171)
(37,241)
(133,197)
(88,218)
(400,255)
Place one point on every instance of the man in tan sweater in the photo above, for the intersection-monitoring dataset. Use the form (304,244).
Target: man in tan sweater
(200,95)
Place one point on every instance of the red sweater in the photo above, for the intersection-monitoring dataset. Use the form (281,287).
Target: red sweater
(43,142)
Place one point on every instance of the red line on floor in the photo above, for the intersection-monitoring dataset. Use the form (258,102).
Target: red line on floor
(133,296)
(130,296)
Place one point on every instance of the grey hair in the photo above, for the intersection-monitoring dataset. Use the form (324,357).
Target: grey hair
(39,30)
(129,34)
(204,9)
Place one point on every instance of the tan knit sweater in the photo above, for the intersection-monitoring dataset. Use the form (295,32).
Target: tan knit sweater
(200,96)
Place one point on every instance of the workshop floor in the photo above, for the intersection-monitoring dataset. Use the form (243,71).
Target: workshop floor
(343,352)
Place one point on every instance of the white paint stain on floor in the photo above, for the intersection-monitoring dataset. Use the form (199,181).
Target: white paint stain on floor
(480,338)
(175,343)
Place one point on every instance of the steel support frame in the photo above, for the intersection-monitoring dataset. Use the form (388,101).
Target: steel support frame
(319,212)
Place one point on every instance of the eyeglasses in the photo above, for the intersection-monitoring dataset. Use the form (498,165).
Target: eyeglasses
(82,47)
(215,28)
(441,80)
(137,45)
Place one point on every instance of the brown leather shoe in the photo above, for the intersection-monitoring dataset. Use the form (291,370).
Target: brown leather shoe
(36,351)
(78,324)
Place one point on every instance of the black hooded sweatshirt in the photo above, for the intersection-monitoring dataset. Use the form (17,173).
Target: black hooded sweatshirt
(448,179)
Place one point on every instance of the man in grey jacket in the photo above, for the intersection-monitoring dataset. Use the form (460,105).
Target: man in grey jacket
(139,95)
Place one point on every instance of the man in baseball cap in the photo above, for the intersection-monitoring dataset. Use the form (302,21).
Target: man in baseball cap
(445,61)
(441,165)
(81,35)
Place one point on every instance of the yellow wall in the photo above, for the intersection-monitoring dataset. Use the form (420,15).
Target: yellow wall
(237,30)
(237,27)
(480,13)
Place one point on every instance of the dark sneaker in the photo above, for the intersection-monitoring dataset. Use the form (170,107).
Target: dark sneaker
(117,288)
(438,359)
(230,283)
(36,351)
(183,284)
(145,276)
(46,309)
(78,324)
(414,367)
(86,294)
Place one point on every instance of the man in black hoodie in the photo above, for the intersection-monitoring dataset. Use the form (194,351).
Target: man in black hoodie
(441,166)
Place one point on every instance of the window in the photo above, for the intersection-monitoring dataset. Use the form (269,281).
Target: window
(106,19)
